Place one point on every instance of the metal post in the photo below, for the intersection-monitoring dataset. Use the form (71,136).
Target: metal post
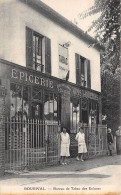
(25,130)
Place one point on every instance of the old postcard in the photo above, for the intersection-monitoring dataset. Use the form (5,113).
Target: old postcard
(60,119)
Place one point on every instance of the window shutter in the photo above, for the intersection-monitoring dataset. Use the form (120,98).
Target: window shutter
(88,75)
(47,55)
(77,58)
(29,48)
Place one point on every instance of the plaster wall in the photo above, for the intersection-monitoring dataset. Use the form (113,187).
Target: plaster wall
(16,16)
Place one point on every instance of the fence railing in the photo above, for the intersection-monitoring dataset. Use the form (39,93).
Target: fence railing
(30,143)
(96,141)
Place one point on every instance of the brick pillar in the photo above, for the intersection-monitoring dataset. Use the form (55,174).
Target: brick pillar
(2,130)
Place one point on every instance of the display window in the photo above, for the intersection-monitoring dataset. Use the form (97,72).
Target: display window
(74,114)
(34,103)
(51,107)
(19,104)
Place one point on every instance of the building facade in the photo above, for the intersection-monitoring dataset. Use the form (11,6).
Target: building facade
(47,66)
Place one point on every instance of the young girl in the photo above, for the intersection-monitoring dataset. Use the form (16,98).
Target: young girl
(80,137)
(65,143)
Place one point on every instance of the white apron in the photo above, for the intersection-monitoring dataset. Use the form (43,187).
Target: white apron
(80,137)
(65,143)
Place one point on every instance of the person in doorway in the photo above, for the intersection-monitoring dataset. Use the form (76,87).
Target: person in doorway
(65,144)
(110,141)
(80,137)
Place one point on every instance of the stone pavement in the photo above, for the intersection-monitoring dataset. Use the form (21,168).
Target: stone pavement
(93,175)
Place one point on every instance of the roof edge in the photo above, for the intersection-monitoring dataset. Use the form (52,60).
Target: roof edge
(65,23)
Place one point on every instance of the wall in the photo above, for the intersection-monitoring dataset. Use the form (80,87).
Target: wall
(17,16)
(2,131)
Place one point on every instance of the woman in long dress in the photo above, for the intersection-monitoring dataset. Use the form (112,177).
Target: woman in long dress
(80,137)
(65,144)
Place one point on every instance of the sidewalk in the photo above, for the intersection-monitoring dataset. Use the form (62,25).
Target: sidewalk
(104,171)
(73,165)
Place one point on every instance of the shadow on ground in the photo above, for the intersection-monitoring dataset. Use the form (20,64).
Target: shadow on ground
(66,171)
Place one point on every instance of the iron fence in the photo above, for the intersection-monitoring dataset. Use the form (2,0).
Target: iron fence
(30,143)
(96,141)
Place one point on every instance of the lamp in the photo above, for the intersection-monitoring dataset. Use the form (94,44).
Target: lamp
(67,44)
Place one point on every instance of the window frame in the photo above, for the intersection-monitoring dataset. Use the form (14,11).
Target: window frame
(82,77)
(45,66)
(41,65)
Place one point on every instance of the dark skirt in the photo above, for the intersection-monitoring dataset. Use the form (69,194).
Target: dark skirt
(110,146)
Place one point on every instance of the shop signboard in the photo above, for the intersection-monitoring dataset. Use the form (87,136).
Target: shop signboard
(63,62)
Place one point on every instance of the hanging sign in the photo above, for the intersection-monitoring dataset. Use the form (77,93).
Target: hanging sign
(63,62)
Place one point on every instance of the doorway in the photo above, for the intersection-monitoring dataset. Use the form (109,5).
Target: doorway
(37,110)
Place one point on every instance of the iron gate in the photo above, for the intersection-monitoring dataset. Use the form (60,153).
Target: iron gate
(30,143)
(96,141)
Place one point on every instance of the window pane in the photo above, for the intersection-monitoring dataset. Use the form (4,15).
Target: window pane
(19,100)
(39,46)
(37,52)
(59,107)
(55,107)
(36,94)
(74,106)
(46,106)
(36,110)
(16,100)
(25,102)
(82,66)
(71,117)
(13,100)
(51,103)
(84,104)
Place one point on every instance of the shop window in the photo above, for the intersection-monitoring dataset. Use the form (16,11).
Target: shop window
(84,110)
(19,101)
(74,114)
(55,107)
(38,51)
(51,107)
(36,94)
(37,110)
(93,112)
(84,104)
(25,102)
(82,71)
(84,116)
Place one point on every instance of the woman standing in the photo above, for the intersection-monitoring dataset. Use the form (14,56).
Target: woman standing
(65,144)
(80,137)
(110,141)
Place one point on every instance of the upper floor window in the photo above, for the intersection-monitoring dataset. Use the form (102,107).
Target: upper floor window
(38,51)
(82,71)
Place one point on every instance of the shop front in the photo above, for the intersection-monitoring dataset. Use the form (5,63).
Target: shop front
(34,95)
(37,106)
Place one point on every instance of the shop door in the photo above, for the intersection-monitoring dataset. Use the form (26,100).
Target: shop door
(38,131)
(37,110)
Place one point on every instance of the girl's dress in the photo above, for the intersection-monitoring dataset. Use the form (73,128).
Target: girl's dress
(65,143)
(80,137)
